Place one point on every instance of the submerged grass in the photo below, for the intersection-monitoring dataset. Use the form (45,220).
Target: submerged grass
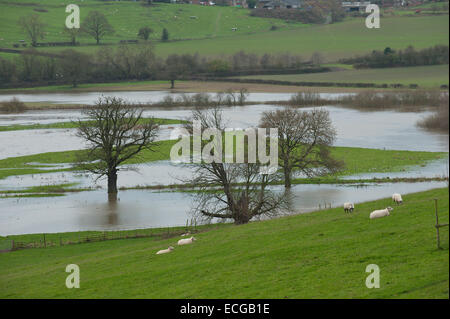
(357,160)
(411,100)
(72,124)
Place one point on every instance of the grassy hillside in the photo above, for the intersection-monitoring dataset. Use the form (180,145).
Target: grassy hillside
(333,41)
(182,21)
(318,255)
(425,76)
(211,32)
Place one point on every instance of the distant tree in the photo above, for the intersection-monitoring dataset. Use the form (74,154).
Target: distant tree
(74,66)
(115,133)
(144,33)
(96,25)
(72,34)
(178,66)
(165,35)
(8,71)
(304,139)
(236,191)
(317,58)
(34,27)
(388,50)
(336,10)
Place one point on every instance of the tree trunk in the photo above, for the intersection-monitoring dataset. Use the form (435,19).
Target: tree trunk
(112,182)
(241,218)
(287,175)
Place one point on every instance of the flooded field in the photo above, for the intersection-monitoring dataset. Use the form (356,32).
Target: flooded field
(382,130)
(144,208)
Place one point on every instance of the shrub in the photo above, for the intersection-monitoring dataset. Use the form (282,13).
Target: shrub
(12,106)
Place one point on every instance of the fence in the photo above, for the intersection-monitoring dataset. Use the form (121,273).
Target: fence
(438,226)
(49,240)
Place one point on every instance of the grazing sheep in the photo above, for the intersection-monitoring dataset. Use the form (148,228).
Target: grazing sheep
(186,234)
(165,251)
(397,198)
(349,207)
(380,213)
(186,241)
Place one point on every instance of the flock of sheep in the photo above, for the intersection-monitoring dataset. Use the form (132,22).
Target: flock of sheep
(181,242)
(397,198)
(348,207)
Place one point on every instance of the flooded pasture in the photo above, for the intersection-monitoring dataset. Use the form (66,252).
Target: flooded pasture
(90,210)
(145,208)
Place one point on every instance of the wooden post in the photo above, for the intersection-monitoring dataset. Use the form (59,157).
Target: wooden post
(437,224)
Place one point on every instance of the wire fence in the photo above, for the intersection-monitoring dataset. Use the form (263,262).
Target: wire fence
(45,240)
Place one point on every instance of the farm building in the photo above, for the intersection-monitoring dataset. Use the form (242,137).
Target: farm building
(279,4)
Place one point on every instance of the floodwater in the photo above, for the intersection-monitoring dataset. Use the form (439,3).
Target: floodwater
(90,98)
(381,130)
(146,208)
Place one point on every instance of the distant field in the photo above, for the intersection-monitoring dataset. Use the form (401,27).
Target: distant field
(424,76)
(211,34)
(318,255)
(333,41)
(183,21)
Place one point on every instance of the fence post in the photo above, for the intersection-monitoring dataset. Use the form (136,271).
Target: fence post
(437,224)
(45,244)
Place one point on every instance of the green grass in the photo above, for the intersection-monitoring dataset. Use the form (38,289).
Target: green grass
(357,160)
(211,33)
(67,125)
(334,41)
(425,76)
(319,255)
(19,165)
(43,191)
(127,17)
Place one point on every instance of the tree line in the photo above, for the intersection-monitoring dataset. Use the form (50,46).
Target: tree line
(396,58)
(95,25)
(130,62)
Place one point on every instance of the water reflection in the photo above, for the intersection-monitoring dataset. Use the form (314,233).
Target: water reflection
(143,208)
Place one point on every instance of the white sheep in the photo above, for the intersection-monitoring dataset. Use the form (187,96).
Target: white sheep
(165,251)
(186,234)
(397,198)
(186,241)
(349,207)
(380,213)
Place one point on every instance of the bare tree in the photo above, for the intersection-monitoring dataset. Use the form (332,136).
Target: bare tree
(34,27)
(144,32)
(72,33)
(304,138)
(96,25)
(115,133)
(74,66)
(236,191)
